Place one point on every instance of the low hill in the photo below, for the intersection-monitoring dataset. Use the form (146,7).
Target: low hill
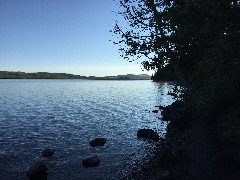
(46,75)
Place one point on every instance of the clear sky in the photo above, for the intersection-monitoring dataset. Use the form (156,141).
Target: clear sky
(70,36)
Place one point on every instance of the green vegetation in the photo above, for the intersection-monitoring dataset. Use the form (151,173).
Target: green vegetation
(165,74)
(46,75)
(198,42)
(198,39)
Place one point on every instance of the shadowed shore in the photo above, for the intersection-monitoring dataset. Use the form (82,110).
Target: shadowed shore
(190,151)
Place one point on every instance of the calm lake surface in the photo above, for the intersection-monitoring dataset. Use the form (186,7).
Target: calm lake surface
(66,114)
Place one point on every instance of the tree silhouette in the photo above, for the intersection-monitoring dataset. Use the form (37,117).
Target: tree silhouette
(199,39)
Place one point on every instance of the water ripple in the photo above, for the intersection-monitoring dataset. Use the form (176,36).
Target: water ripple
(65,115)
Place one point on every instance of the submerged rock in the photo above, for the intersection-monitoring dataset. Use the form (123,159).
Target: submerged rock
(98,142)
(37,171)
(48,152)
(148,133)
(92,161)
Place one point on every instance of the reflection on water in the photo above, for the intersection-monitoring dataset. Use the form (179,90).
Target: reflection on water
(66,114)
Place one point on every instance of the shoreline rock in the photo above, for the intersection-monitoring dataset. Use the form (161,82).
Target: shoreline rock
(92,161)
(37,171)
(48,152)
(98,142)
(148,134)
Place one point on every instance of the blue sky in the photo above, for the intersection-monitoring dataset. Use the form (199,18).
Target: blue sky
(69,36)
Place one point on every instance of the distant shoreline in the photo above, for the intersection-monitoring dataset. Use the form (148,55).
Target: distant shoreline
(46,75)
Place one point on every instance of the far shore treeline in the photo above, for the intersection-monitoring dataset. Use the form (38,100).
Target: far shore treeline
(46,75)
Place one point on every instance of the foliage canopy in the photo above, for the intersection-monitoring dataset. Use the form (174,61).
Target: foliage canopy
(199,39)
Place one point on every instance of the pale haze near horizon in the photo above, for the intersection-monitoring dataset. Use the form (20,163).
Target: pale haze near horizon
(69,36)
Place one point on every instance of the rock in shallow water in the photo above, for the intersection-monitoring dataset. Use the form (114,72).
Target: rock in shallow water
(37,171)
(48,152)
(92,161)
(98,142)
(148,133)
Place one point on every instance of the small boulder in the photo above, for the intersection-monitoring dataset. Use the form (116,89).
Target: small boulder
(148,133)
(98,142)
(92,161)
(37,172)
(48,152)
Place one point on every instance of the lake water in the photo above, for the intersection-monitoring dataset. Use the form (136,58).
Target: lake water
(66,114)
